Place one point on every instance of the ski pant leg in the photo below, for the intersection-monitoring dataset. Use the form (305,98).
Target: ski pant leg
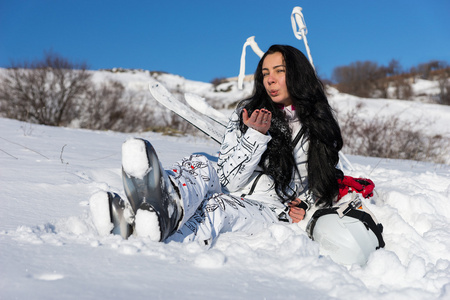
(196,180)
(224,213)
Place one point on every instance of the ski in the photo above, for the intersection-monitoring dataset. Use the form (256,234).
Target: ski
(202,123)
(200,105)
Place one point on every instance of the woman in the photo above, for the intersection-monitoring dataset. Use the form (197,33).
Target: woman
(302,139)
(277,159)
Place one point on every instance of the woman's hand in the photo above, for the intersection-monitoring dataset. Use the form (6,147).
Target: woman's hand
(296,213)
(259,120)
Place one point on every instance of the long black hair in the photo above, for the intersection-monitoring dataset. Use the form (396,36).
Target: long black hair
(319,126)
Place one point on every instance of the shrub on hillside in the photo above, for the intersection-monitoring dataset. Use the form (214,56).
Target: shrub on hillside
(54,91)
(389,137)
(369,80)
(45,91)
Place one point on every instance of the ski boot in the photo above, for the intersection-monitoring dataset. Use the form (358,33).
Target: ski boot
(111,214)
(154,198)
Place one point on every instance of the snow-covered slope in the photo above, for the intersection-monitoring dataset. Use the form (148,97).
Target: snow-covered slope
(227,92)
(433,118)
(49,248)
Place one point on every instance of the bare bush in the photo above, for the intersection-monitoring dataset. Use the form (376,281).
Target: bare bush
(54,91)
(217,81)
(369,80)
(425,70)
(177,123)
(443,79)
(357,78)
(139,114)
(102,108)
(402,88)
(111,107)
(45,91)
(389,137)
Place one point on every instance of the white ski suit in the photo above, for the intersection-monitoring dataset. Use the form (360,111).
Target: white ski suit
(238,197)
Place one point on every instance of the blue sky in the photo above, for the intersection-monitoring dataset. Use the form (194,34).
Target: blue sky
(202,40)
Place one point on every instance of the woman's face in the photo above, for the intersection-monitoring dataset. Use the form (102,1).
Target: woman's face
(274,77)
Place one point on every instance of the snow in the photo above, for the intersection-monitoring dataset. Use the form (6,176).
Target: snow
(147,225)
(49,247)
(99,207)
(430,118)
(422,86)
(134,158)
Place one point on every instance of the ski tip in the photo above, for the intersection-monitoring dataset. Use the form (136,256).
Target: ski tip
(153,85)
(157,87)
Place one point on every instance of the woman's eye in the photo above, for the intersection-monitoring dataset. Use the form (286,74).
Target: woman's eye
(265,74)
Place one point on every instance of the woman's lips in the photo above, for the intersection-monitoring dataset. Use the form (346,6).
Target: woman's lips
(273,93)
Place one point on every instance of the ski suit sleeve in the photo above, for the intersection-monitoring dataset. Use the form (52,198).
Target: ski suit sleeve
(239,154)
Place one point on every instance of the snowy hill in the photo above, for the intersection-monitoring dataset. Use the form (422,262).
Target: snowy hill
(227,92)
(49,248)
(430,119)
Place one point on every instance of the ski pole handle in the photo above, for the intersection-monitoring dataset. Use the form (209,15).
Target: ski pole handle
(250,42)
(297,19)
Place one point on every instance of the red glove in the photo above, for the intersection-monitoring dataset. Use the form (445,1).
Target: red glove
(349,184)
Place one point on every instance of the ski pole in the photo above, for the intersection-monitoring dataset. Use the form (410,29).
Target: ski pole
(250,42)
(297,19)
